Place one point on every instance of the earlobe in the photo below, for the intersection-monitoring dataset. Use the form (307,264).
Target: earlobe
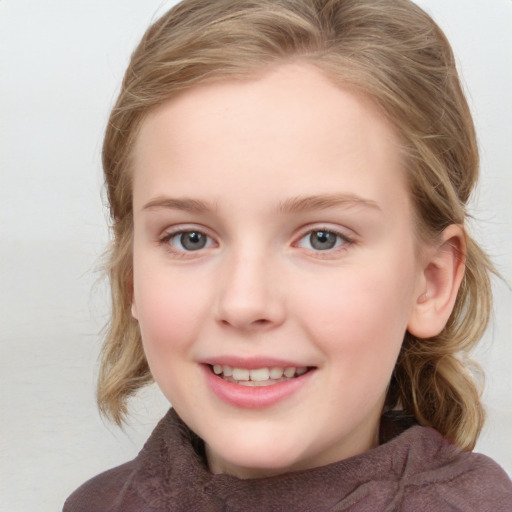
(134,311)
(441,279)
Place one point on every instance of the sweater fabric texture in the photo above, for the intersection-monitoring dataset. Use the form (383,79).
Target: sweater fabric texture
(414,469)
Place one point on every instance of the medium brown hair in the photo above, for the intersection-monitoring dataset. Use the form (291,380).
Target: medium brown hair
(389,50)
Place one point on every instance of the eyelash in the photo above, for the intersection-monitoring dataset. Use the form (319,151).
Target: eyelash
(342,241)
(168,237)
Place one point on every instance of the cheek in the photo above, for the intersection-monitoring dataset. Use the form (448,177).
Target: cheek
(360,314)
(167,312)
(359,331)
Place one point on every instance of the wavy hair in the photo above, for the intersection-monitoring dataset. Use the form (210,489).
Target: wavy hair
(389,50)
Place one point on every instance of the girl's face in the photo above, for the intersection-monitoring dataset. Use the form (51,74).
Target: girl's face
(273,233)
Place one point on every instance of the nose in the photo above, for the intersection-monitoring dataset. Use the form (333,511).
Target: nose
(250,296)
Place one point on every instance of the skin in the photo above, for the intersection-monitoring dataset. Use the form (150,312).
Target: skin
(247,151)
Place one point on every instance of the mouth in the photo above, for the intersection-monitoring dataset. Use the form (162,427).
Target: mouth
(258,377)
(256,383)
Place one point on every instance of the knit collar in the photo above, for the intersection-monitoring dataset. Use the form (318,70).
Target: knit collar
(171,474)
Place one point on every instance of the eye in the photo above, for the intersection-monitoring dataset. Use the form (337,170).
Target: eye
(322,240)
(188,241)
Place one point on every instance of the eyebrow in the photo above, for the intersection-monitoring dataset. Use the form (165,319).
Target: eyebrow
(292,205)
(320,202)
(186,204)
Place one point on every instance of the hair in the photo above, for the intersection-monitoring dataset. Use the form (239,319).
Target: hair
(392,52)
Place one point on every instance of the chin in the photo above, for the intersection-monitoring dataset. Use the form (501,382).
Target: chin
(254,459)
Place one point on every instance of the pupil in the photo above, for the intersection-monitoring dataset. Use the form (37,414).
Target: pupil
(192,240)
(322,240)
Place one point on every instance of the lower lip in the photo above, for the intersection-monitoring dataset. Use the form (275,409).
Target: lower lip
(256,397)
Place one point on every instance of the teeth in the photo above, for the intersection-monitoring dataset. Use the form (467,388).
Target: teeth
(240,374)
(289,372)
(248,383)
(258,375)
(276,372)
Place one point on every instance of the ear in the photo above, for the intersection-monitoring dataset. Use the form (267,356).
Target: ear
(442,273)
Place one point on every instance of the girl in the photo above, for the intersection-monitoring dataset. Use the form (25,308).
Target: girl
(287,182)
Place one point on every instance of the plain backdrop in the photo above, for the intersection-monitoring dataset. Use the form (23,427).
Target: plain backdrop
(61,63)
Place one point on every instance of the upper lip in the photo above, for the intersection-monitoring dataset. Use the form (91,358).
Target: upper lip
(252,363)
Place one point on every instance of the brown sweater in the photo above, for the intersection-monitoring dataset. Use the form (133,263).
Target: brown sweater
(417,470)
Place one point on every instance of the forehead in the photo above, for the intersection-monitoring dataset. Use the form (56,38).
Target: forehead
(289,129)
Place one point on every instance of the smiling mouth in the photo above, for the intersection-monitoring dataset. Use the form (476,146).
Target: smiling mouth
(259,376)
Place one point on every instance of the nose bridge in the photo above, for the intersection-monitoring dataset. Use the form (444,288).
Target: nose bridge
(248,294)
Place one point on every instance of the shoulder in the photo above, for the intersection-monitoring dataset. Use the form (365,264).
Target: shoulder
(119,488)
(471,482)
(101,492)
(443,477)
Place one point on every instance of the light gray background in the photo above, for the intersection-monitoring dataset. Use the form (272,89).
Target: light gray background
(61,63)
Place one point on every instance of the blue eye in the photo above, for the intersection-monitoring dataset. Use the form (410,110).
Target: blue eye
(322,240)
(189,241)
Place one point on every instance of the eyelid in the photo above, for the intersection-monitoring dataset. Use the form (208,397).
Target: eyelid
(347,239)
(169,233)
(343,232)
(347,236)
